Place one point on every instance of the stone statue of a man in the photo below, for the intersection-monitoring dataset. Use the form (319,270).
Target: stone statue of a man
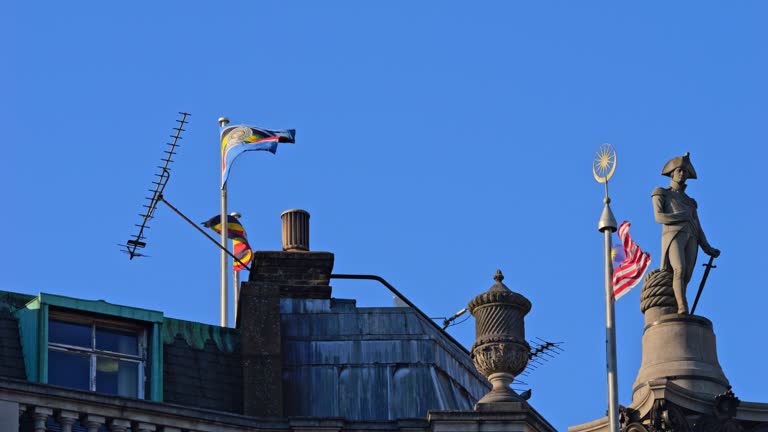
(681,235)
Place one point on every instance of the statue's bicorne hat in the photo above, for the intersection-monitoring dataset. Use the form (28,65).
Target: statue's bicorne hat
(683,162)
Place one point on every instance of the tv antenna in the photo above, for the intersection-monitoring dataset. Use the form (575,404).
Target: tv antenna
(541,352)
(137,242)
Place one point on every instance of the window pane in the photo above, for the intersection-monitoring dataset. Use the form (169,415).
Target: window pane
(117,377)
(69,370)
(69,333)
(117,341)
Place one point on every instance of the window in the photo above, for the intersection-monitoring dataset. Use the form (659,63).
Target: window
(97,355)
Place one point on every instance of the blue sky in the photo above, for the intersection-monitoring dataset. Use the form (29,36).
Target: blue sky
(437,142)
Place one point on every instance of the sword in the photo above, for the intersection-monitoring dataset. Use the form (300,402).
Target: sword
(709,267)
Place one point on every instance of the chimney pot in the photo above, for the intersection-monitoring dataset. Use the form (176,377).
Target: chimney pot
(295,230)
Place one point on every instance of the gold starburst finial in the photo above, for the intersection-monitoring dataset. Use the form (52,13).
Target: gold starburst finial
(604,164)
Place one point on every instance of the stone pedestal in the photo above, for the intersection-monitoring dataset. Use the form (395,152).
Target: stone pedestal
(682,349)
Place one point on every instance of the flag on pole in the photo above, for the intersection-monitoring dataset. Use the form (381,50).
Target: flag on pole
(238,139)
(236,232)
(242,250)
(630,272)
(617,254)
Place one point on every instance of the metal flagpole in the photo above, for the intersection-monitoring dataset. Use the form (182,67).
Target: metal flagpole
(603,168)
(235,289)
(223,121)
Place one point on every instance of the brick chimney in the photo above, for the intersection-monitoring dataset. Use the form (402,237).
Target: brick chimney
(298,272)
(294,272)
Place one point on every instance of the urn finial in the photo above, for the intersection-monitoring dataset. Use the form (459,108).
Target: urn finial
(499,285)
(500,351)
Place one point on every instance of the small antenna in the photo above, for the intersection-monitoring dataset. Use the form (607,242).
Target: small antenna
(137,241)
(541,352)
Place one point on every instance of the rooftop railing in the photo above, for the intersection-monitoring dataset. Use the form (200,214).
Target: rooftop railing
(45,407)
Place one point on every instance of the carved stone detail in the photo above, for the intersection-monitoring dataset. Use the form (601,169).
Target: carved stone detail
(675,419)
(500,351)
(713,424)
(668,417)
(657,290)
(722,418)
(665,416)
(726,405)
(627,417)
(495,357)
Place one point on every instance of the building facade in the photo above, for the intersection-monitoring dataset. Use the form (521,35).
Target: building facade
(298,359)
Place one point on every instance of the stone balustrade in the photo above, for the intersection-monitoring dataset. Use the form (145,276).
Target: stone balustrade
(42,408)
(29,407)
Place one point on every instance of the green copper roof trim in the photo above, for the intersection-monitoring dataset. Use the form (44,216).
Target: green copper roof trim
(14,301)
(195,334)
(100,307)
(42,354)
(29,335)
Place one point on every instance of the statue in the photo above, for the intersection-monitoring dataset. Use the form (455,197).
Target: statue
(681,235)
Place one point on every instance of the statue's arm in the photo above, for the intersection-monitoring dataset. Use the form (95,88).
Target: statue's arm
(667,218)
(703,242)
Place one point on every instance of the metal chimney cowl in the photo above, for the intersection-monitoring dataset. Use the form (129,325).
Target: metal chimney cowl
(295,230)
(500,351)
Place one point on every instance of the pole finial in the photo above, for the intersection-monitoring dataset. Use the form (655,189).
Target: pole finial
(607,220)
(499,276)
(604,164)
(223,121)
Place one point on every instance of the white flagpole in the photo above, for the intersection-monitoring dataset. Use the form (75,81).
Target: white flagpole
(603,168)
(607,225)
(223,121)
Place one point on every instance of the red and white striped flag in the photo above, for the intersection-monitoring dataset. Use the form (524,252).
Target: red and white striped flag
(630,272)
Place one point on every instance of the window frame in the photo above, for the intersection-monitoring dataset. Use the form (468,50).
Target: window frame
(33,334)
(93,353)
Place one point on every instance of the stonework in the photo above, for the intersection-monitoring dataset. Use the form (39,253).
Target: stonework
(261,349)
(297,274)
(500,351)
(681,348)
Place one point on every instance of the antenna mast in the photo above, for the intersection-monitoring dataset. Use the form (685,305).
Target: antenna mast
(137,241)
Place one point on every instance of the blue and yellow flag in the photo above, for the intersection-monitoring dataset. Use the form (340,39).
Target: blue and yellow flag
(238,139)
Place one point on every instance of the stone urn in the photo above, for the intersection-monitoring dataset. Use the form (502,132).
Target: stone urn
(500,351)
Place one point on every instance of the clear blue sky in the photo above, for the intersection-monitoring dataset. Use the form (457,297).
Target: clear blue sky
(437,142)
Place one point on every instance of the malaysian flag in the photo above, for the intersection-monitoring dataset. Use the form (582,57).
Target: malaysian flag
(629,273)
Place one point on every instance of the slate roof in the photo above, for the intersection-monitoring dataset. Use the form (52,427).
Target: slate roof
(201,366)
(380,363)
(11,356)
